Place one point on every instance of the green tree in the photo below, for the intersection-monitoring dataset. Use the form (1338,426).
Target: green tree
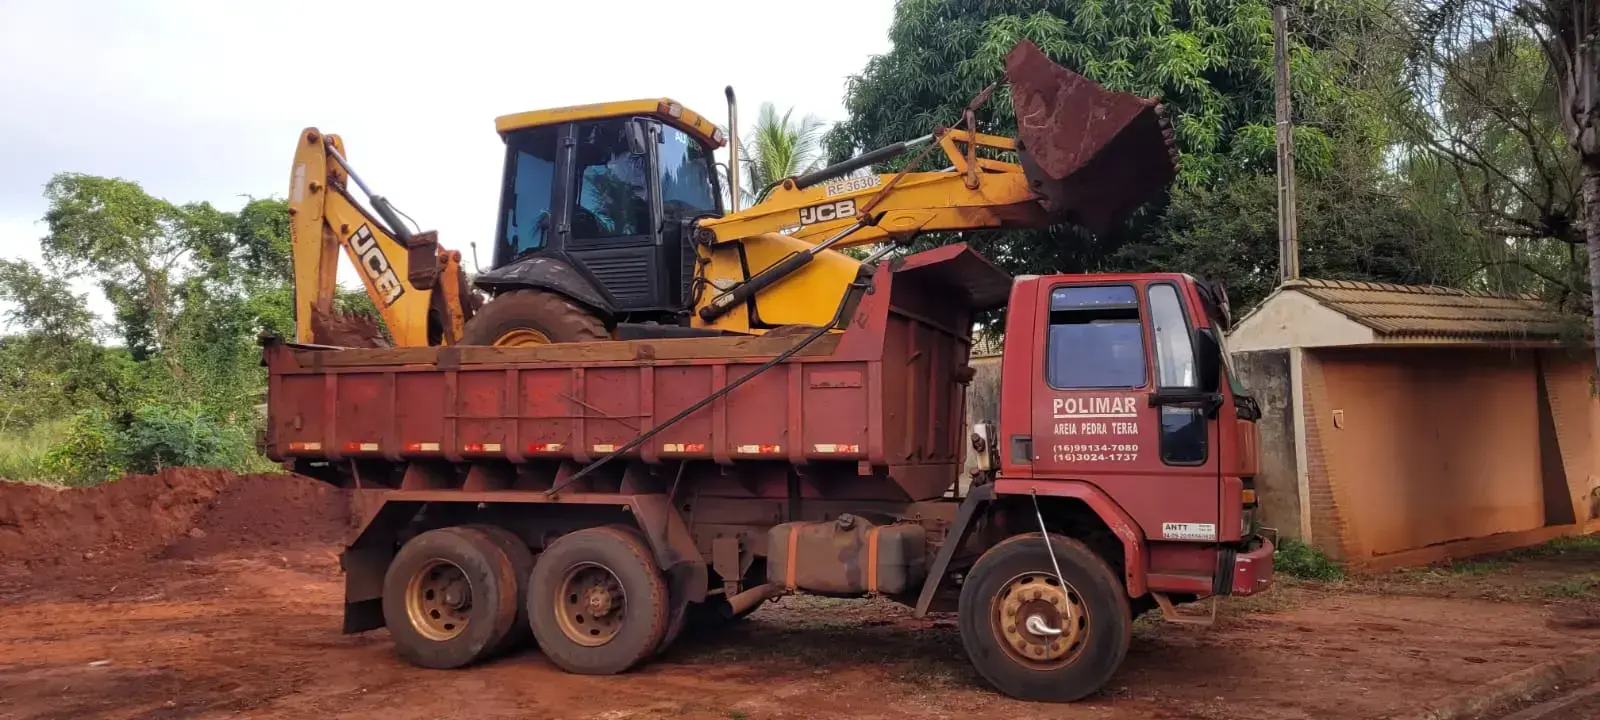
(779,146)
(135,245)
(1211,63)
(1503,84)
(43,303)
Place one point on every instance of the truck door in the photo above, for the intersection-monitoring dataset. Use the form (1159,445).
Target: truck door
(1121,403)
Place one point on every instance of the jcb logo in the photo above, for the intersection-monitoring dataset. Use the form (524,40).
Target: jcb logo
(827,211)
(376,266)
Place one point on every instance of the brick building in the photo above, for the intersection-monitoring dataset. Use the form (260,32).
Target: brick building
(1405,424)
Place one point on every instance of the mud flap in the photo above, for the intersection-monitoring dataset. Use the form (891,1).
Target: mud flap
(1091,154)
(366,561)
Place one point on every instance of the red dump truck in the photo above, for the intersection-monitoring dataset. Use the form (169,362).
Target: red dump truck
(597,495)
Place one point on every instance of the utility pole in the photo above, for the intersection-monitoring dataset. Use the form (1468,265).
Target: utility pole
(1288,227)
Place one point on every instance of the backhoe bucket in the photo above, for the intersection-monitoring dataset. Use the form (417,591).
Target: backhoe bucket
(1092,155)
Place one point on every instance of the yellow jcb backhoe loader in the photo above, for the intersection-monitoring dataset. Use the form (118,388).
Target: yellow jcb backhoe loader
(611,220)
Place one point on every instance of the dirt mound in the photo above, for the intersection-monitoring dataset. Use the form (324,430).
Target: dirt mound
(180,512)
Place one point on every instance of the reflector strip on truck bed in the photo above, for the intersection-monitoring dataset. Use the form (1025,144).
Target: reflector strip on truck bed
(482,447)
(360,447)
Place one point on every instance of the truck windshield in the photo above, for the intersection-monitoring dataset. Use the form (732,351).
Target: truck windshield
(525,209)
(688,184)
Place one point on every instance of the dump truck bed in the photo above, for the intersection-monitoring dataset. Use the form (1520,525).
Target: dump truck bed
(886,393)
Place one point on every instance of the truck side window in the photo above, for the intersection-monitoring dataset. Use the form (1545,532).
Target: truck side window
(1183,429)
(1095,338)
(531,165)
(613,198)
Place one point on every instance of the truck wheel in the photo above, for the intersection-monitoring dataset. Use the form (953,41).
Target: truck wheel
(524,318)
(1010,603)
(597,601)
(521,558)
(449,597)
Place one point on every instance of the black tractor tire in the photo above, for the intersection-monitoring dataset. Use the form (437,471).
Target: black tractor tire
(1105,619)
(640,622)
(521,557)
(532,312)
(423,636)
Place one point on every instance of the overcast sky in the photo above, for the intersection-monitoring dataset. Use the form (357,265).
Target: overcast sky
(202,100)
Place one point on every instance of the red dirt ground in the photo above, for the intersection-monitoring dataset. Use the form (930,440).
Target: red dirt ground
(202,594)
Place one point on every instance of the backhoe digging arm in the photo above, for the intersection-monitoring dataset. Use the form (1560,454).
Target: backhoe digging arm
(415,285)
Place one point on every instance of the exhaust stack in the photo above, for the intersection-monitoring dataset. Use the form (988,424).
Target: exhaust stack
(733,150)
(1092,155)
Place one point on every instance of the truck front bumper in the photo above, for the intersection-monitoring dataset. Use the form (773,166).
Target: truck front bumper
(1252,569)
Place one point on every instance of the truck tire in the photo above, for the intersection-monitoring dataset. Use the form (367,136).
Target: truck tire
(522,567)
(449,598)
(523,318)
(597,602)
(1013,581)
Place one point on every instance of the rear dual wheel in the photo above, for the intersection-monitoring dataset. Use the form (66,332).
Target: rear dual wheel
(450,597)
(597,601)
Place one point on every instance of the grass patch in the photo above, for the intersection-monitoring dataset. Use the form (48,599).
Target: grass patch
(736,715)
(1580,586)
(1561,547)
(1297,559)
(22,452)
(1472,567)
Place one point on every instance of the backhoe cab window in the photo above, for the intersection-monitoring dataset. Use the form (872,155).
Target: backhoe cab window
(613,198)
(687,182)
(531,169)
(1095,338)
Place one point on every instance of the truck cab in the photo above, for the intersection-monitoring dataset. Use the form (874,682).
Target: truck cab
(1117,391)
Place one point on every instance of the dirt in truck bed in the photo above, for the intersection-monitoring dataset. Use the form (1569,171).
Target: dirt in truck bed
(204,594)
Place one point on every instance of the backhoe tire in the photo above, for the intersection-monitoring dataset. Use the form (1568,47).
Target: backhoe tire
(449,598)
(598,602)
(532,317)
(1013,582)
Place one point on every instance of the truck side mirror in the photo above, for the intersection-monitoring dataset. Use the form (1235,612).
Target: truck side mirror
(1208,360)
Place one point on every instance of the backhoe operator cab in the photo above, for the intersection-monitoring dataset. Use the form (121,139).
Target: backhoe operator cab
(598,206)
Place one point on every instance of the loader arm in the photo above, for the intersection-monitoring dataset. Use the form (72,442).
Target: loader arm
(1083,155)
(415,285)
(983,194)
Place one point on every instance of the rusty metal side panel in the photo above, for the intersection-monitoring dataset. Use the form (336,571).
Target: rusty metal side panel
(485,423)
(836,418)
(889,396)
(676,388)
(757,413)
(546,423)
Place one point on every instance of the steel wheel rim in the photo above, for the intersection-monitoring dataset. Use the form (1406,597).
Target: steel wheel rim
(590,604)
(522,337)
(1057,605)
(439,600)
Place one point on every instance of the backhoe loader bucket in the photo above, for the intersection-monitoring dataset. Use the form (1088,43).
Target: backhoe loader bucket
(1092,155)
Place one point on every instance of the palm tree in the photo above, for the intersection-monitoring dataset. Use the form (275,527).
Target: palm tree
(777,147)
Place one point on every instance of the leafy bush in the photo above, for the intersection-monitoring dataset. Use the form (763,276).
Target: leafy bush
(86,453)
(160,436)
(1297,559)
(92,447)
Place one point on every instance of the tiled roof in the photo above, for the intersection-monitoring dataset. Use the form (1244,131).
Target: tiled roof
(987,344)
(1395,311)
